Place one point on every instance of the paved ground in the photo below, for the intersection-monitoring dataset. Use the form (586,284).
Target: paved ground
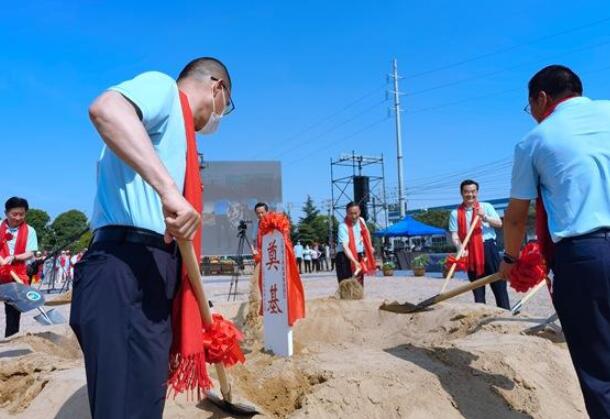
(400,287)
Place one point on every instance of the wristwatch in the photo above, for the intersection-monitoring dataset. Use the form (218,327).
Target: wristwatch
(509,259)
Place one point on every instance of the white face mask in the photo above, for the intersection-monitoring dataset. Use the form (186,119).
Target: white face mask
(211,126)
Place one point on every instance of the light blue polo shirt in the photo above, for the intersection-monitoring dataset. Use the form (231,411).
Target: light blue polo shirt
(343,237)
(298,251)
(568,155)
(31,245)
(489,233)
(123,197)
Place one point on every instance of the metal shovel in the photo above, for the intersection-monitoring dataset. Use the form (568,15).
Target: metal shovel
(410,308)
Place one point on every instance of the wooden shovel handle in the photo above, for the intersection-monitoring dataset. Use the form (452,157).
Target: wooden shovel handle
(17,278)
(459,290)
(461,251)
(192,267)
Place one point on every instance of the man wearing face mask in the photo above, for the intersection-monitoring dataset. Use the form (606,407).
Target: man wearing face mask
(481,249)
(564,163)
(126,311)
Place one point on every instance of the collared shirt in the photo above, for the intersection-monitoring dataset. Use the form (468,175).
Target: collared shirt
(123,197)
(298,251)
(30,246)
(307,253)
(568,155)
(343,237)
(489,233)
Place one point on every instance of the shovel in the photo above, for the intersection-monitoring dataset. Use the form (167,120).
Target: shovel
(460,253)
(25,298)
(517,308)
(225,402)
(410,308)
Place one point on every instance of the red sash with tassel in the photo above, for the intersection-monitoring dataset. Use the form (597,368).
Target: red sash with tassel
(476,250)
(19,267)
(368,265)
(193,343)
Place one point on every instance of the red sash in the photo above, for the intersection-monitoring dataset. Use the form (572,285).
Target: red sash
(476,251)
(369,265)
(19,267)
(542,223)
(193,344)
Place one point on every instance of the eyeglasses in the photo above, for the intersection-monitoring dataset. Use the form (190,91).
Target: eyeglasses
(527,109)
(229,105)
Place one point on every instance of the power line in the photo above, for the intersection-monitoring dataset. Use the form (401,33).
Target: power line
(329,117)
(513,47)
(325,132)
(496,72)
(341,140)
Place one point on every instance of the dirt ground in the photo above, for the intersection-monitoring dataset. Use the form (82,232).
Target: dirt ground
(351,360)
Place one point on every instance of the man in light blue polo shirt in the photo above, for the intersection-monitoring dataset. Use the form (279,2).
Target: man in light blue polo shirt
(565,160)
(490,220)
(346,258)
(298,253)
(125,284)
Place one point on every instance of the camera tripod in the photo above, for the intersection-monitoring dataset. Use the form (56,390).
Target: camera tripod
(239,261)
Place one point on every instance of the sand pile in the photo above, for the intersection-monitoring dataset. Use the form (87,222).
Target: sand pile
(352,360)
(28,362)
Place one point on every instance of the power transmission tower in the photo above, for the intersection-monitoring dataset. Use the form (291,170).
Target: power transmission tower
(399,156)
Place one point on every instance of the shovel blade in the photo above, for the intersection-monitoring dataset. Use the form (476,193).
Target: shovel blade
(47,318)
(237,409)
(22,297)
(396,307)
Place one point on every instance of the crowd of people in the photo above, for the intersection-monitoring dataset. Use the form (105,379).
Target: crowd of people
(315,257)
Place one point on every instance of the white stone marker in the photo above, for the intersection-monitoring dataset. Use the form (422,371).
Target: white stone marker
(278,335)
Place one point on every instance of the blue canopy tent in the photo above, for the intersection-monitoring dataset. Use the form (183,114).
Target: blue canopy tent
(409,227)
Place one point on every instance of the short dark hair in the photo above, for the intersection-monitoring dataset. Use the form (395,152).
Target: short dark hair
(261,204)
(556,81)
(351,204)
(468,182)
(16,202)
(206,66)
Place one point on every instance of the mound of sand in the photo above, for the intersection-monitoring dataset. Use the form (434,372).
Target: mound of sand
(352,360)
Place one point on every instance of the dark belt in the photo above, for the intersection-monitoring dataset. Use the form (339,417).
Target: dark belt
(133,235)
(602,233)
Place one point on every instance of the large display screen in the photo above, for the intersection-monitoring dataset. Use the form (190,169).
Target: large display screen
(231,190)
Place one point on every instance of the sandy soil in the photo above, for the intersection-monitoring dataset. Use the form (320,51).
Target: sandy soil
(351,360)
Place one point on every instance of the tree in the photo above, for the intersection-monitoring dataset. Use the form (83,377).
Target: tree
(310,211)
(67,227)
(306,234)
(437,218)
(39,220)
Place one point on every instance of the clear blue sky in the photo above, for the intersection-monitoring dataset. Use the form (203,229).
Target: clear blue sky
(295,66)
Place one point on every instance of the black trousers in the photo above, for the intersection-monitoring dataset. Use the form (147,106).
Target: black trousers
(581,295)
(300,263)
(12,318)
(121,315)
(307,266)
(492,264)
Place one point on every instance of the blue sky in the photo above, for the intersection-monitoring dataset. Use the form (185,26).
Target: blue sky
(309,84)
